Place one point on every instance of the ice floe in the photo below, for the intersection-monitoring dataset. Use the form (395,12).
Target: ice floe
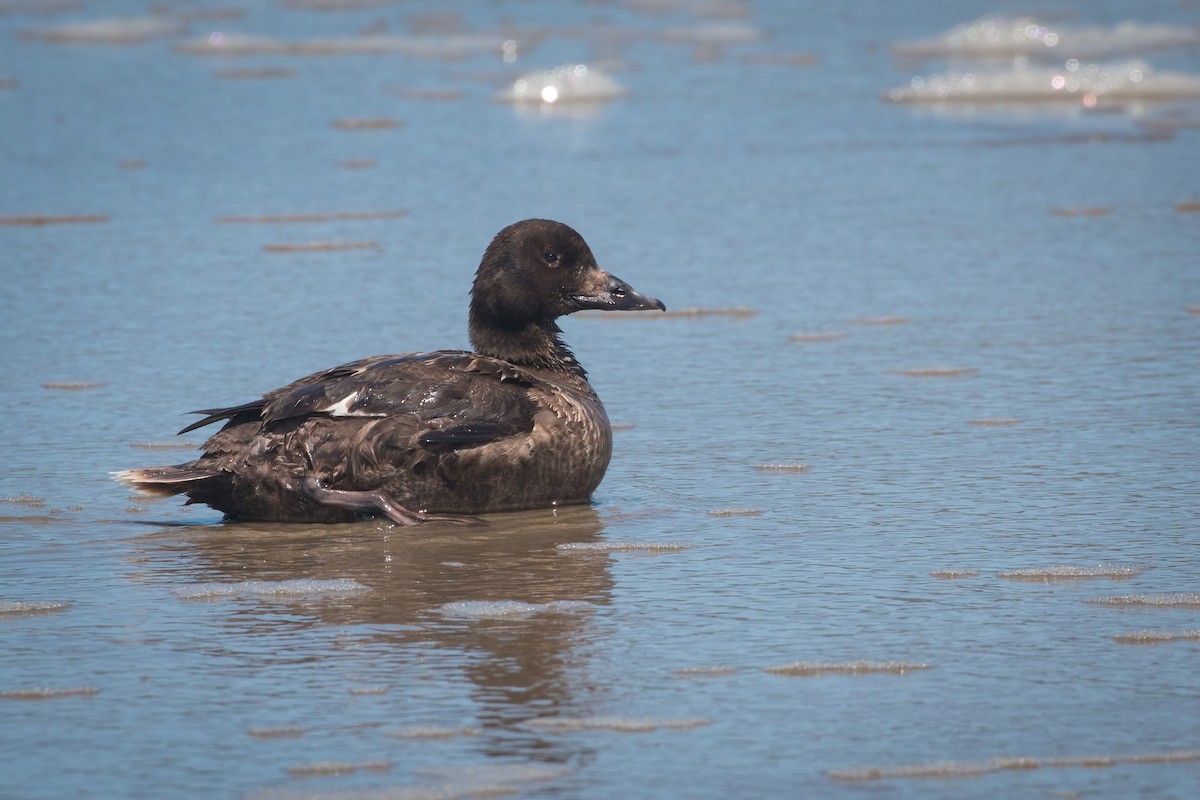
(11,608)
(1002,37)
(622,724)
(296,587)
(566,83)
(131,30)
(813,668)
(508,609)
(450,46)
(971,769)
(1073,82)
(1070,573)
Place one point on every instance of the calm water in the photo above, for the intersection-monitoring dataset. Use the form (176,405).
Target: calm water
(366,660)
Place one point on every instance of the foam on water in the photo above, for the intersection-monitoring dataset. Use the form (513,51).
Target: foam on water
(297,587)
(622,724)
(993,37)
(567,83)
(971,769)
(1070,573)
(622,547)
(35,608)
(508,609)
(1171,600)
(1073,82)
(813,668)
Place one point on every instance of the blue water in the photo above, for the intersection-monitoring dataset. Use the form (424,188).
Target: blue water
(721,180)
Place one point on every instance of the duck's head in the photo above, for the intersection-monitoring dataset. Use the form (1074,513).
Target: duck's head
(538,270)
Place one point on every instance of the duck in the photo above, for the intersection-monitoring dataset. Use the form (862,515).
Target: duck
(437,436)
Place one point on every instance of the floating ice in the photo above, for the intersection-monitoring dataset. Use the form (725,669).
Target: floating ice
(1175,600)
(323,768)
(487,775)
(819,336)
(278,732)
(131,30)
(24,500)
(19,609)
(41,693)
(622,547)
(1046,574)
(812,668)
(38,220)
(431,732)
(713,33)
(368,124)
(970,769)
(622,724)
(508,609)
(72,386)
(297,587)
(443,46)
(568,83)
(736,512)
(1157,637)
(879,320)
(1073,82)
(716,671)
(1002,37)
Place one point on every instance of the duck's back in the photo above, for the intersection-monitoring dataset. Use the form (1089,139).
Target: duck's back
(448,431)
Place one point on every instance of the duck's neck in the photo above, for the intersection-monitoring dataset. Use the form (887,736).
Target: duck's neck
(538,345)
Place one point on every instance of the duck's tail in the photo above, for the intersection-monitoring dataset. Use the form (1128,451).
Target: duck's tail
(165,481)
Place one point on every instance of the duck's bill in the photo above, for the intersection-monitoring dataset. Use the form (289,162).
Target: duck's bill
(613,294)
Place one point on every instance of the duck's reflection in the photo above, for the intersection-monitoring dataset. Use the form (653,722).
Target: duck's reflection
(518,668)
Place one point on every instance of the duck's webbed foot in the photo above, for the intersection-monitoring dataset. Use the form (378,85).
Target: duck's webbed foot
(377,502)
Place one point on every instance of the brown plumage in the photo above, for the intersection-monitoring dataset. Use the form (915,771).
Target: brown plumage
(513,425)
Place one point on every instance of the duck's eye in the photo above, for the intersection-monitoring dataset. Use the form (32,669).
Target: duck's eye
(551,257)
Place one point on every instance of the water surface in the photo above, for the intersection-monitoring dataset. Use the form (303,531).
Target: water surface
(975,327)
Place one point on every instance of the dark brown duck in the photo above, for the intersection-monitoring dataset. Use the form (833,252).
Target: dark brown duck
(513,425)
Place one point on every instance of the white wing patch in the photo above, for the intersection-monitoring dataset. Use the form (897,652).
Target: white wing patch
(342,407)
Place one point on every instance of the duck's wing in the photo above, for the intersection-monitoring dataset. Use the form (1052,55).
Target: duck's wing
(456,399)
